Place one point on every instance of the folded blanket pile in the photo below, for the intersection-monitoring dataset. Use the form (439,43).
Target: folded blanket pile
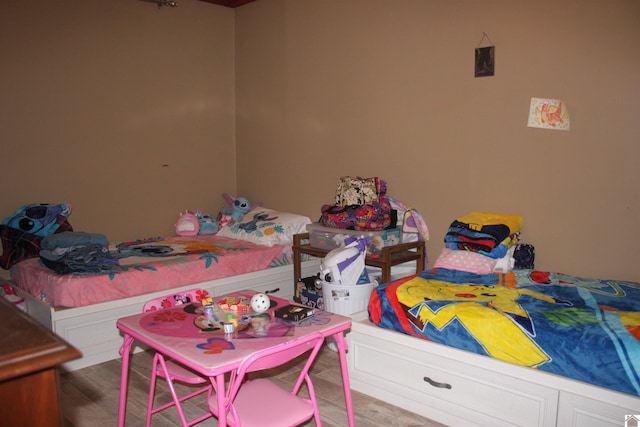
(78,253)
(482,243)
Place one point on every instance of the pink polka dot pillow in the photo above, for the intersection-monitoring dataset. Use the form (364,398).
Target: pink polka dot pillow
(465,261)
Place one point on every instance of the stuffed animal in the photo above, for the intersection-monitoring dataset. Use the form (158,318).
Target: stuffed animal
(208,224)
(229,215)
(187,224)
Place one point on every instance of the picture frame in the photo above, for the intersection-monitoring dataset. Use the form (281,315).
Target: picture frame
(485,59)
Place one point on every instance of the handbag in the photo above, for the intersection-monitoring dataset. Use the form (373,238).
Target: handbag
(356,191)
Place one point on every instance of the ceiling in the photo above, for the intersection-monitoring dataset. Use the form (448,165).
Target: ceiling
(229,3)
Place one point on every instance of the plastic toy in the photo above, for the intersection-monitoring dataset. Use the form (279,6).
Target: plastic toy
(236,304)
(260,303)
(345,266)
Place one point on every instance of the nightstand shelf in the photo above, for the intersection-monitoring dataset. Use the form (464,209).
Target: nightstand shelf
(390,256)
(29,356)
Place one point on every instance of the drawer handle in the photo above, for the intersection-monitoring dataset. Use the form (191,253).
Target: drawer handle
(272,291)
(436,383)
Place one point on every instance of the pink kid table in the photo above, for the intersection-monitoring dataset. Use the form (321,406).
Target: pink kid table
(178,333)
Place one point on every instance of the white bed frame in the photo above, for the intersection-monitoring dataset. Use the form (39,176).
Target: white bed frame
(92,329)
(460,388)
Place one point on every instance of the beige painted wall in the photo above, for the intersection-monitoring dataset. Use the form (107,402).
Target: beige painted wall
(327,88)
(98,96)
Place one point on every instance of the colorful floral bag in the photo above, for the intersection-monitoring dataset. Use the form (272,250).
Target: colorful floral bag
(360,205)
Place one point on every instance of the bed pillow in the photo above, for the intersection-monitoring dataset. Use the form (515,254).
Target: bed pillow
(38,219)
(471,262)
(266,227)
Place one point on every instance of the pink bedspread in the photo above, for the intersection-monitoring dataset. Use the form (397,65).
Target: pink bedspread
(184,261)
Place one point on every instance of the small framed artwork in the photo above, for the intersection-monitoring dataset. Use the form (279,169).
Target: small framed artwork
(485,61)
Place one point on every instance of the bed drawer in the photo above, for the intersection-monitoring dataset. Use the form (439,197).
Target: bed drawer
(580,411)
(443,389)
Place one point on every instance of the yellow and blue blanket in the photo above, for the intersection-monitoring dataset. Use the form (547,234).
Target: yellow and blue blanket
(582,328)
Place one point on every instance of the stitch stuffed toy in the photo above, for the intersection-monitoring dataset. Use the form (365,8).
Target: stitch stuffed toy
(208,224)
(229,215)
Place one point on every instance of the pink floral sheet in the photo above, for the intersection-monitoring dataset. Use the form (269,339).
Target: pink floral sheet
(150,265)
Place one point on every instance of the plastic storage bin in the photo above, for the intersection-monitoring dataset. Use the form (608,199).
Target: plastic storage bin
(328,238)
(346,299)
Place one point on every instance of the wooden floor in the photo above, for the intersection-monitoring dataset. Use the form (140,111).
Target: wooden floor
(90,397)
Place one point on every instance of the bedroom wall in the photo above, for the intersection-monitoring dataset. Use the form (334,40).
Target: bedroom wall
(121,108)
(386,88)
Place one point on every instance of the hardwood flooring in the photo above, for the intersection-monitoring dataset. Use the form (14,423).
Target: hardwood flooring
(89,397)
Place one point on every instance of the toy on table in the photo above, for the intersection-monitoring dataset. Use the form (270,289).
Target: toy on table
(231,324)
(238,304)
(260,303)
(208,309)
(293,312)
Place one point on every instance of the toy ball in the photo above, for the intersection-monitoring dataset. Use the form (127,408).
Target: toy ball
(260,303)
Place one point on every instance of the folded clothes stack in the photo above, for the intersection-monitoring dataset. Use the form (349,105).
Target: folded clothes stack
(482,243)
(78,253)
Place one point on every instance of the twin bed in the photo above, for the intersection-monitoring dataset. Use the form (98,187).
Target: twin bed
(83,309)
(525,348)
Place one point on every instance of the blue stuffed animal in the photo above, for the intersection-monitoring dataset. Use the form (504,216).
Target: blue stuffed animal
(208,224)
(229,215)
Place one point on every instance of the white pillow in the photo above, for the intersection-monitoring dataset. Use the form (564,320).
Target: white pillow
(266,227)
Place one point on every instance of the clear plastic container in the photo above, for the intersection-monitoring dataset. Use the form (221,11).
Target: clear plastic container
(328,238)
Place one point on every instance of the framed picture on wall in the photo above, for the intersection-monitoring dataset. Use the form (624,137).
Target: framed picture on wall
(485,61)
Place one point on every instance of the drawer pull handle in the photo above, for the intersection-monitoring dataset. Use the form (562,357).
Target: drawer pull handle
(272,291)
(436,383)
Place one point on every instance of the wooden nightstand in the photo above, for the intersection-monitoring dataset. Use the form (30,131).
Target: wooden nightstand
(29,355)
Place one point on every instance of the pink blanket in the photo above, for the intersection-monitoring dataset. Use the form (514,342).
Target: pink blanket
(175,262)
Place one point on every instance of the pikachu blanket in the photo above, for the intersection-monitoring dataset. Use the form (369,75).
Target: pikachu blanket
(583,328)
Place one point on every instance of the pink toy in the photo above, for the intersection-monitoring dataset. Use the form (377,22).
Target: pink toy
(187,224)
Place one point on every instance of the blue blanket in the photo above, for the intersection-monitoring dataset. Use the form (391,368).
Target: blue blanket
(583,328)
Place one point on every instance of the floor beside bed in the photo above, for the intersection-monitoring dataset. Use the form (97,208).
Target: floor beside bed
(84,403)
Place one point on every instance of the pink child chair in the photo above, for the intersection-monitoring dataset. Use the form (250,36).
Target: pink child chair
(263,403)
(172,371)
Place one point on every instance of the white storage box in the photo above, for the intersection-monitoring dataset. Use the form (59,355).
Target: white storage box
(346,299)
(328,238)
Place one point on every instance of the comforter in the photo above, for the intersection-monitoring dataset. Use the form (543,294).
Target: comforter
(582,328)
(150,265)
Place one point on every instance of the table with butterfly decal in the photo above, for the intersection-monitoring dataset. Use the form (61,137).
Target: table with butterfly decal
(185,334)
